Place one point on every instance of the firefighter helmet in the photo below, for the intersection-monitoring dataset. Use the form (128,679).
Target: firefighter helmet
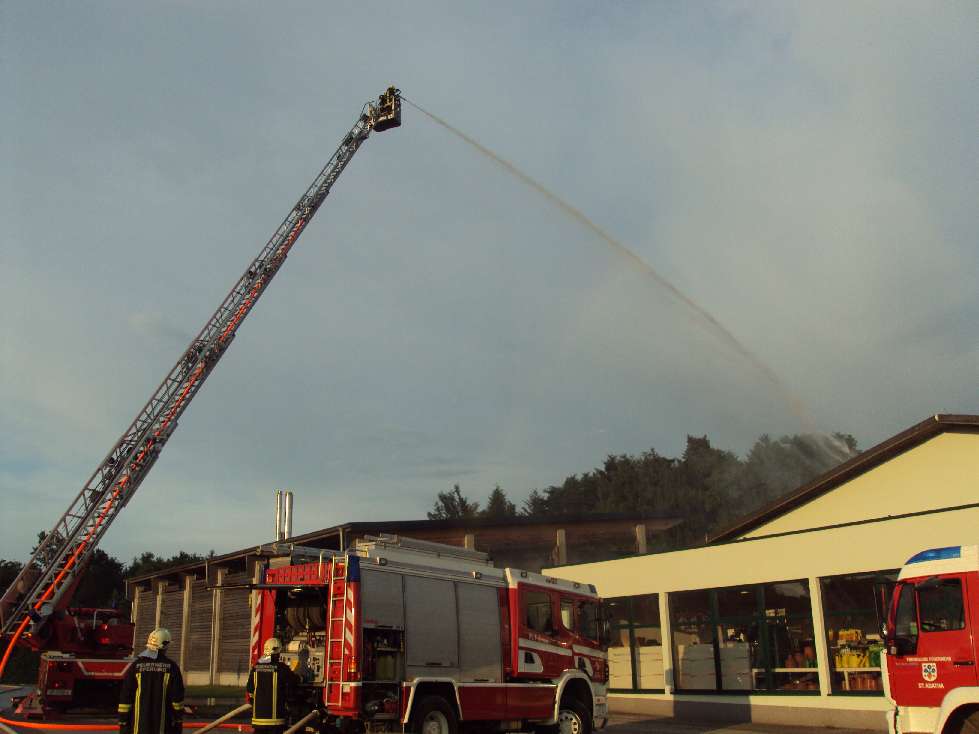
(158,639)
(272,646)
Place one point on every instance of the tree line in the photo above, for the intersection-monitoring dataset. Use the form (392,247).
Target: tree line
(103,584)
(706,487)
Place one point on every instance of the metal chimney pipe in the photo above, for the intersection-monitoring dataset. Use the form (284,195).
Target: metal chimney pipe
(287,517)
(278,514)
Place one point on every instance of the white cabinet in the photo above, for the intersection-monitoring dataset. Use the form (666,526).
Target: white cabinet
(735,666)
(619,667)
(695,667)
(649,667)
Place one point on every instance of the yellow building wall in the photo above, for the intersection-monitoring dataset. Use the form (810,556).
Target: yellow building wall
(942,472)
(869,547)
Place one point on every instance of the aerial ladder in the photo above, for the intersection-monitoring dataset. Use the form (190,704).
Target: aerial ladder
(46,583)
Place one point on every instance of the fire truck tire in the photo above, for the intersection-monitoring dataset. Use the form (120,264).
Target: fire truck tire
(965,723)
(573,718)
(434,715)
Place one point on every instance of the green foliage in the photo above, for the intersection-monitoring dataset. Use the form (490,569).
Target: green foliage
(148,562)
(102,584)
(497,505)
(22,666)
(8,572)
(707,487)
(453,505)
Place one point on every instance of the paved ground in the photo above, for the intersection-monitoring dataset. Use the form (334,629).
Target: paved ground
(630,724)
(618,724)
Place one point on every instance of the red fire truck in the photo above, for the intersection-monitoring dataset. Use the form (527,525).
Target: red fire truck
(398,634)
(931,645)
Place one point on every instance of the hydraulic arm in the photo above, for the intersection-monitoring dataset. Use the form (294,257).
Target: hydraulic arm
(47,581)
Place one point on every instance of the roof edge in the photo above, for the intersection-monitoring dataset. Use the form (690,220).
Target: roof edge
(850,469)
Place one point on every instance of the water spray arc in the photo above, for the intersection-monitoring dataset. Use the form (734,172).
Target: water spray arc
(704,318)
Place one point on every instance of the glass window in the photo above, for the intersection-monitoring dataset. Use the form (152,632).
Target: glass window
(588,618)
(737,601)
(764,637)
(851,607)
(906,619)
(539,612)
(940,605)
(737,635)
(787,598)
(617,611)
(635,651)
(567,615)
(620,646)
(693,640)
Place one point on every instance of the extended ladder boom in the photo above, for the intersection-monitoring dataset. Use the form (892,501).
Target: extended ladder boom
(48,579)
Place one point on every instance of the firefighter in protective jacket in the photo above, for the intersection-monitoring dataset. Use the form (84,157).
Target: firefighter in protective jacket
(270,684)
(152,699)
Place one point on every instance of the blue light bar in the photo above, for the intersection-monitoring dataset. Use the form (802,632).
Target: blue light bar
(936,554)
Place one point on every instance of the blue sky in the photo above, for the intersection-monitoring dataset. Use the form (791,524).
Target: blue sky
(804,171)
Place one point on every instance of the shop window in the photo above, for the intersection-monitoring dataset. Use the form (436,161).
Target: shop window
(539,612)
(738,618)
(940,605)
(635,651)
(764,637)
(620,645)
(853,633)
(693,640)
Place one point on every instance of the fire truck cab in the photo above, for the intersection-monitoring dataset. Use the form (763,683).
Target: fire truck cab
(406,635)
(931,645)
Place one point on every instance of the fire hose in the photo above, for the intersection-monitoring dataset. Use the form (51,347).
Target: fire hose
(299,724)
(198,726)
(230,715)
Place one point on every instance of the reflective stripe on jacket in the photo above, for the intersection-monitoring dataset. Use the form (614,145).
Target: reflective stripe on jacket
(270,685)
(152,696)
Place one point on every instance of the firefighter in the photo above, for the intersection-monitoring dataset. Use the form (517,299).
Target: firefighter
(152,699)
(271,685)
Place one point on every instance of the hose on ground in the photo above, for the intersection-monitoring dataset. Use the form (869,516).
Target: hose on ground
(6,724)
(302,722)
(230,715)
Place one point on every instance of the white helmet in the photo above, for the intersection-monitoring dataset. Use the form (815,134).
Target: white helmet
(158,639)
(272,646)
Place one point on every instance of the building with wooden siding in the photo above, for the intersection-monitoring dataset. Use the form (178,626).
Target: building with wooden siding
(211,626)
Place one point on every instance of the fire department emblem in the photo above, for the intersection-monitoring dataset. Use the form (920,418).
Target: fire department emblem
(929,671)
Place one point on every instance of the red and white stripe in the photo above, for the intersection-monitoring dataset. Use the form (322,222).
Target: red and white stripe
(256,625)
(348,624)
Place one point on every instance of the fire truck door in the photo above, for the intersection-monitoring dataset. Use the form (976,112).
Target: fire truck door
(933,642)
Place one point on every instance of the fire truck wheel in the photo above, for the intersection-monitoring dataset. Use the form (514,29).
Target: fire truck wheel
(966,724)
(434,715)
(573,718)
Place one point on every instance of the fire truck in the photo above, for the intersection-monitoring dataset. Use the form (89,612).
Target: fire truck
(931,643)
(398,634)
(85,652)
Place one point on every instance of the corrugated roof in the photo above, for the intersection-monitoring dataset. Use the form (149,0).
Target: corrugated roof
(863,462)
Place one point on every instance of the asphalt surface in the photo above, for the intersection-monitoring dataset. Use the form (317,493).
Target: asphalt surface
(633,724)
(618,723)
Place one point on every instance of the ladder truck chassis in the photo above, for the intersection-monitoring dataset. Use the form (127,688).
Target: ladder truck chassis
(405,635)
(35,609)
